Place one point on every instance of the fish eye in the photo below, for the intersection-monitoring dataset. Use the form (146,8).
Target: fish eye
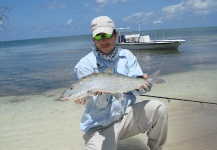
(71,88)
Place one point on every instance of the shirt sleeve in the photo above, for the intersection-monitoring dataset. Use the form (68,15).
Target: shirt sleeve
(134,69)
(83,69)
(80,72)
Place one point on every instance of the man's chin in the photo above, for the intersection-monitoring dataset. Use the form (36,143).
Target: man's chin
(106,50)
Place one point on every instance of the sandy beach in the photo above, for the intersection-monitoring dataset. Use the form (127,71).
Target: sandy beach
(38,122)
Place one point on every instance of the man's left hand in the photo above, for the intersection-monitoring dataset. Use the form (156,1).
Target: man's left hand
(147,86)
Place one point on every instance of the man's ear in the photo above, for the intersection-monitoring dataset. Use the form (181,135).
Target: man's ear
(116,35)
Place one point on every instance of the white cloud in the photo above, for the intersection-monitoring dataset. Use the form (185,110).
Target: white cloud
(139,17)
(54,5)
(102,3)
(69,22)
(179,11)
(110,1)
(190,7)
(36,29)
(99,8)
(1,22)
(198,4)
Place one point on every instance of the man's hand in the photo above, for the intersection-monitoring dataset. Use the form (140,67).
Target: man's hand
(84,102)
(99,93)
(81,101)
(147,86)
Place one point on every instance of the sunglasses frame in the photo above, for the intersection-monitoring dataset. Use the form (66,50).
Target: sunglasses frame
(100,36)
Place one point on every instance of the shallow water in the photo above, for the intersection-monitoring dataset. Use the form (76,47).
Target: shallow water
(35,72)
(39,65)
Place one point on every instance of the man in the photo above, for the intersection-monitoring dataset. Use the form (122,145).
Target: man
(106,119)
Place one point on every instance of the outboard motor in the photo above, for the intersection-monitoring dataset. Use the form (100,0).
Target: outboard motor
(121,39)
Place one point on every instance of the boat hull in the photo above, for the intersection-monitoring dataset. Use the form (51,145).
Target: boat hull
(154,45)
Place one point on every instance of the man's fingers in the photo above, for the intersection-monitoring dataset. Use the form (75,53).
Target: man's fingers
(145,76)
(81,102)
(98,93)
(147,86)
(84,102)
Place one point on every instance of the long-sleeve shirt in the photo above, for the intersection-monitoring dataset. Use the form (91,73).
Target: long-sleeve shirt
(104,110)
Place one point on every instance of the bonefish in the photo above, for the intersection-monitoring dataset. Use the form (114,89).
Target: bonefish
(106,82)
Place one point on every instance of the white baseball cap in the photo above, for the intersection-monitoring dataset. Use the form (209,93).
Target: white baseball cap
(102,24)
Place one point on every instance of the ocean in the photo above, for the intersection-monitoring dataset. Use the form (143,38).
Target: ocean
(35,72)
(33,66)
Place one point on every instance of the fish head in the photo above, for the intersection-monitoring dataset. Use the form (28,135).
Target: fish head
(67,93)
(74,93)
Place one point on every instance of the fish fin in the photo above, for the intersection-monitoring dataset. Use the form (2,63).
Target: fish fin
(90,93)
(109,70)
(118,95)
(157,81)
(154,75)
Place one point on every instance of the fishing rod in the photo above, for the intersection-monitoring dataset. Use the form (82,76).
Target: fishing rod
(179,99)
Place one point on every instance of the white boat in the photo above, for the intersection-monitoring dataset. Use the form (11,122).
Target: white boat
(143,42)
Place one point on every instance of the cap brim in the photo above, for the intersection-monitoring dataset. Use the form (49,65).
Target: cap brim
(98,30)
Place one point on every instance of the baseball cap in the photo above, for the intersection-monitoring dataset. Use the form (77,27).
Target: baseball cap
(102,24)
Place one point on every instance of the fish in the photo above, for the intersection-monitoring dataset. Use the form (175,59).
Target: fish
(107,82)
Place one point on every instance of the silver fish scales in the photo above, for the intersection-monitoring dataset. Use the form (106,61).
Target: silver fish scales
(106,82)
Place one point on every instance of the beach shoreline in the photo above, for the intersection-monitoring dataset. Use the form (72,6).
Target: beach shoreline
(35,72)
(40,122)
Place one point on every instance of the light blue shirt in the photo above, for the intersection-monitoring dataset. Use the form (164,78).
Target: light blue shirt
(104,110)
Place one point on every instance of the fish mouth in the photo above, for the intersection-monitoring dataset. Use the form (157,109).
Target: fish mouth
(65,94)
(65,98)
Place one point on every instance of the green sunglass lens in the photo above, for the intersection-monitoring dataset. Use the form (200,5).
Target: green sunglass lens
(98,37)
(106,36)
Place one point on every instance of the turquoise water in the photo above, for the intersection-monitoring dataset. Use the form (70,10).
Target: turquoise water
(37,65)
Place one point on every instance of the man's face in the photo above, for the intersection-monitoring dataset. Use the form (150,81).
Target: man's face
(106,45)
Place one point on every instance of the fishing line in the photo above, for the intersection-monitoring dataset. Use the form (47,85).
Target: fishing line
(179,99)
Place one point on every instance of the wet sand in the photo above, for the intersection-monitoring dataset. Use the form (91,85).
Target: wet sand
(39,122)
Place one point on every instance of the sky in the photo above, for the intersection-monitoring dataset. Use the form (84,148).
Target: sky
(29,19)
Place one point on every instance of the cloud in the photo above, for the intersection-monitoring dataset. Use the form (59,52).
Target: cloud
(190,7)
(69,22)
(139,17)
(99,8)
(179,11)
(54,5)
(1,22)
(110,1)
(103,3)
(36,29)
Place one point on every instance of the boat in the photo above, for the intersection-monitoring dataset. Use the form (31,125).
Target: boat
(143,42)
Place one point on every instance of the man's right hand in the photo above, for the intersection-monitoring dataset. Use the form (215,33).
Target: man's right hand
(84,102)
(99,93)
(81,101)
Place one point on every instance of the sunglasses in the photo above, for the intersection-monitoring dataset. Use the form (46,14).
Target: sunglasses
(99,37)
